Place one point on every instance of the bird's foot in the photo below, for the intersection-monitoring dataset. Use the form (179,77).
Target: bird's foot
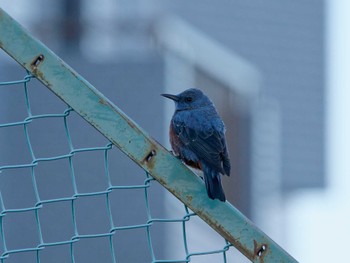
(177,156)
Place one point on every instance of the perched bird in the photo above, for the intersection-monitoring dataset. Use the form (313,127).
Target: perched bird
(197,137)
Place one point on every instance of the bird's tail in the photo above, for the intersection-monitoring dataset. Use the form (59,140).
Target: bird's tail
(213,185)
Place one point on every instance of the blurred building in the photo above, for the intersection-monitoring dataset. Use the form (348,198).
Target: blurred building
(261,62)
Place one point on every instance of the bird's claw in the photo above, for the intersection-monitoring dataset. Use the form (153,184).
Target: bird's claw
(177,156)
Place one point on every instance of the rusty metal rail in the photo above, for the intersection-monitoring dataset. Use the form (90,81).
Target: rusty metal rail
(108,119)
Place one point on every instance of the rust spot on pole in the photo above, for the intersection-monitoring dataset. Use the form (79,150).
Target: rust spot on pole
(37,61)
(260,250)
(189,198)
(149,157)
(102,101)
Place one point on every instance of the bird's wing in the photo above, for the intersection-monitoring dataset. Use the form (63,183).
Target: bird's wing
(208,144)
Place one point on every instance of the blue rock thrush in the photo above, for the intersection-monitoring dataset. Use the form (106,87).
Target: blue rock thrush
(197,136)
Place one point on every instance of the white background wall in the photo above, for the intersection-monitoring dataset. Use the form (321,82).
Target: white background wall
(318,221)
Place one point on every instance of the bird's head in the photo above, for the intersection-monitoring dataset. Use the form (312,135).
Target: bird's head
(189,99)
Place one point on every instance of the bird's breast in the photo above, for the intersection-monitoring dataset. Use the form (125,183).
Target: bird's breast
(174,140)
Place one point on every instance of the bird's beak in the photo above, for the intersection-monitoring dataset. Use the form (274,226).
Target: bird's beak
(170,96)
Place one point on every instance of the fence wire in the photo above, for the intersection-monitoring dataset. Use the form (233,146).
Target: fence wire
(28,169)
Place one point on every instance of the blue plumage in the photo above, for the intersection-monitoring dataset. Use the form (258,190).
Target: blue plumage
(197,136)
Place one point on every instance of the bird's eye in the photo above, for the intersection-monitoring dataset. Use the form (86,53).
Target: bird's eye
(189,99)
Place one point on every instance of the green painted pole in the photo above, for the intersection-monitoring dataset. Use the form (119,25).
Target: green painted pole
(87,101)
